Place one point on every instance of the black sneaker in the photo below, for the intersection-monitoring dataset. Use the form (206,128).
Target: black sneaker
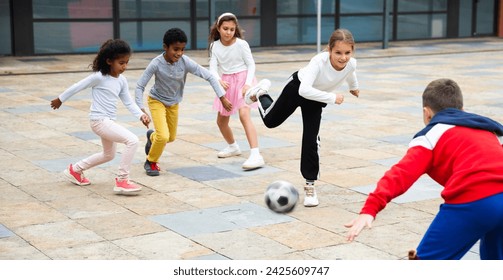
(151,168)
(149,143)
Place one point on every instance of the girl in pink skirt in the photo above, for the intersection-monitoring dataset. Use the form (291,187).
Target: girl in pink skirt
(232,63)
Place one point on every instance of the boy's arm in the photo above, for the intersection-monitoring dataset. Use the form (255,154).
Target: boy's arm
(395,182)
(142,83)
(198,70)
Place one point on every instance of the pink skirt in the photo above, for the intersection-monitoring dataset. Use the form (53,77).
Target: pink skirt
(233,94)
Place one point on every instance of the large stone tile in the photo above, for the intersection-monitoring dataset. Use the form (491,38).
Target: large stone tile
(90,205)
(299,235)
(15,248)
(205,197)
(28,213)
(163,246)
(120,225)
(349,251)
(94,251)
(219,219)
(152,204)
(56,235)
(242,244)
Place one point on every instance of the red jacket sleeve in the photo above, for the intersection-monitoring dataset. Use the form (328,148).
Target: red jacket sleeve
(398,179)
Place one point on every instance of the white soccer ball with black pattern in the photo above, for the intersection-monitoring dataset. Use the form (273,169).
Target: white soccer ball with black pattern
(281,197)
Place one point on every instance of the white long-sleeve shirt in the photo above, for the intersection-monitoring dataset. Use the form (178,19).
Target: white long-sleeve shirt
(106,91)
(319,79)
(232,59)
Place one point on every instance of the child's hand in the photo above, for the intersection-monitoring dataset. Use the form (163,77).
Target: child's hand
(226,103)
(358,224)
(355,92)
(145,119)
(56,103)
(339,98)
(245,89)
(224,84)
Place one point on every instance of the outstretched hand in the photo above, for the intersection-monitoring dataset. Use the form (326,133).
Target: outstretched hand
(56,103)
(358,224)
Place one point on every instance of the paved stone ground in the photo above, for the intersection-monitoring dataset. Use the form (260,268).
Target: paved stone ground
(206,208)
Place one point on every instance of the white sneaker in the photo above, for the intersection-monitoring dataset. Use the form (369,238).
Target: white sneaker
(257,90)
(229,152)
(310,198)
(253,162)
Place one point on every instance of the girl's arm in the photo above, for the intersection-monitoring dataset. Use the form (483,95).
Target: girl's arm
(126,98)
(87,82)
(306,89)
(249,61)
(353,84)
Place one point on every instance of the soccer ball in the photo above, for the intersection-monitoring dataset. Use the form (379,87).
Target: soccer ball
(281,196)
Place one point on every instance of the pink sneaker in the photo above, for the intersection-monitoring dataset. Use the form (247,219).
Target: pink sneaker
(76,178)
(125,187)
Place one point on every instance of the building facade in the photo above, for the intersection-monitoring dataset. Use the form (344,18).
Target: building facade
(37,27)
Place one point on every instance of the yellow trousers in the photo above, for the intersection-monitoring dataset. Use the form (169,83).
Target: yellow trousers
(165,119)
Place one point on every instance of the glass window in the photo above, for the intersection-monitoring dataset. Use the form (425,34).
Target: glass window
(154,8)
(238,7)
(147,36)
(361,6)
(5,34)
(365,28)
(303,30)
(485,17)
(70,37)
(465,18)
(421,26)
(422,6)
(251,28)
(72,9)
(294,7)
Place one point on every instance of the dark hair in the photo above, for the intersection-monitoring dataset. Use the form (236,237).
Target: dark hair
(174,35)
(111,49)
(215,35)
(442,94)
(343,35)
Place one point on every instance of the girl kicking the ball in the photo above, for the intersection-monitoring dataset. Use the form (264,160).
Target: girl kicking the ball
(311,88)
(108,86)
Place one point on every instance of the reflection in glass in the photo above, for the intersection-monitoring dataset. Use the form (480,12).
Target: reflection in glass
(72,9)
(70,37)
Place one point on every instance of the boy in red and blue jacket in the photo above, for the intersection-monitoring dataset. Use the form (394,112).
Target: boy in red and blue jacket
(462,152)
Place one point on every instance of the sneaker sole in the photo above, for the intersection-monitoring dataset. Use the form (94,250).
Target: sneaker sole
(252,167)
(152,174)
(73,180)
(229,155)
(126,192)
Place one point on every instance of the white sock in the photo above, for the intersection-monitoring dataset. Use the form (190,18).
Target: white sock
(234,145)
(254,152)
